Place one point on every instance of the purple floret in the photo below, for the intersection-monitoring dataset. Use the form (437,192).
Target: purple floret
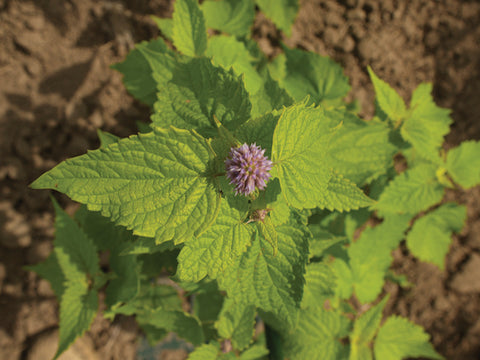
(248,168)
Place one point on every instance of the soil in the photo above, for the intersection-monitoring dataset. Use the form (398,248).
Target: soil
(56,89)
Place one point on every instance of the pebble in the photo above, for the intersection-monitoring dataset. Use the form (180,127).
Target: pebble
(467,281)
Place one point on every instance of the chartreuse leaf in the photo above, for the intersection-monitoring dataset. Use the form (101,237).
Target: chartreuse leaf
(463,164)
(253,353)
(272,283)
(390,102)
(198,92)
(320,282)
(229,52)
(236,323)
(299,151)
(205,352)
(230,16)
(164,25)
(260,131)
(364,329)
(309,74)
(412,191)
(189,33)
(322,240)
(216,249)
(426,124)
(106,138)
(430,236)
(156,184)
(282,13)
(361,151)
(398,339)
(317,335)
(370,256)
(137,70)
(266,229)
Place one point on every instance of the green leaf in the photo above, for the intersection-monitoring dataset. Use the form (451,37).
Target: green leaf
(205,352)
(197,92)
(318,332)
(309,74)
(253,353)
(126,284)
(51,271)
(361,151)
(320,282)
(279,211)
(364,329)
(282,13)
(398,339)
(78,307)
(322,240)
(463,164)
(272,283)
(370,255)
(231,16)
(183,324)
(426,124)
(106,138)
(237,323)
(189,31)
(260,131)
(266,229)
(215,250)
(229,52)
(164,25)
(412,191)
(430,237)
(390,102)
(344,277)
(156,184)
(137,71)
(300,144)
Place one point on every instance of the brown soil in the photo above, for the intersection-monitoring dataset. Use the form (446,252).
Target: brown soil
(56,89)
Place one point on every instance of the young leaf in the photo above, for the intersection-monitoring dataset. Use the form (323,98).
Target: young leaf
(205,352)
(236,322)
(463,164)
(253,353)
(137,71)
(318,332)
(164,25)
(309,74)
(189,32)
(126,284)
(282,13)
(430,236)
(266,229)
(388,99)
(272,283)
(412,191)
(364,329)
(157,184)
(320,282)
(231,16)
(216,249)
(398,338)
(259,131)
(106,138)
(198,92)
(426,124)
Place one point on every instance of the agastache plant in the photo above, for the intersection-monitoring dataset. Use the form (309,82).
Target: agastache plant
(248,168)
(160,204)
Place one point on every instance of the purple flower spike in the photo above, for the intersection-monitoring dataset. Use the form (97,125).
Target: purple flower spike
(248,168)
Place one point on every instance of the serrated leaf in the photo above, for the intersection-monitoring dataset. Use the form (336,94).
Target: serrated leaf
(156,184)
(361,151)
(236,322)
(228,52)
(412,191)
(426,124)
(78,308)
(51,271)
(260,131)
(230,16)
(137,71)
(431,235)
(398,339)
(317,336)
(344,277)
(205,352)
(322,240)
(278,208)
(309,74)
(320,284)
(266,229)
(126,283)
(106,138)
(145,245)
(364,329)
(189,32)
(282,13)
(211,253)
(272,283)
(390,102)
(253,353)
(299,152)
(370,255)
(164,25)
(197,92)
(463,164)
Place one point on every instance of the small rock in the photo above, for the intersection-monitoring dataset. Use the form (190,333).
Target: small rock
(348,44)
(468,280)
